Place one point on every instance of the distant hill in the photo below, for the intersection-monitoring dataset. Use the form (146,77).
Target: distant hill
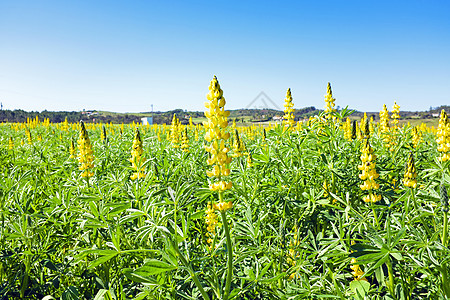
(240,115)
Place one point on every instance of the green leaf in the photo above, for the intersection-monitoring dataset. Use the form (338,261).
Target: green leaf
(198,214)
(101,260)
(360,288)
(153,267)
(103,295)
(272,279)
(70,294)
(397,255)
(139,278)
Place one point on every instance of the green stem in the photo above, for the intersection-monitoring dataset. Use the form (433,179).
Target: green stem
(25,277)
(375,216)
(445,281)
(230,254)
(413,195)
(445,230)
(391,284)
(191,272)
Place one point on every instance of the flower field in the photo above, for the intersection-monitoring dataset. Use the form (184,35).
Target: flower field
(323,208)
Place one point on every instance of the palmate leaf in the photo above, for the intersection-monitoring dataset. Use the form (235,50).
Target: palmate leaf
(150,268)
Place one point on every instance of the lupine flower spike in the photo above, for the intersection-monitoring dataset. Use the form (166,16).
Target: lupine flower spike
(103,133)
(216,136)
(288,110)
(137,160)
(348,129)
(175,132)
(72,150)
(238,145)
(395,115)
(249,160)
(443,137)
(410,174)
(211,222)
(356,270)
(369,173)
(184,140)
(29,138)
(416,137)
(329,102)
(354,130)
(86,155)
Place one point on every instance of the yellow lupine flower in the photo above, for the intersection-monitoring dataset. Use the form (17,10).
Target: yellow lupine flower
(29,138)
(410,174)
(223,206)
(137,160)
(365,130)
(184,140)
(395,114)
(175,132)
(216,136)
(238,145)
(103,133)
(329,102)
(416,136)
(86,155)
(288,110)
(368,172)
(371,125)
(11,143)
(211,223)
(356,270)
(443,137)
(385,130)
(249,160)
(348,129)
(384,119)
(65,125)
(72,150)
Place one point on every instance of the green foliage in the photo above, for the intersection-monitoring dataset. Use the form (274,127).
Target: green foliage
(297,220)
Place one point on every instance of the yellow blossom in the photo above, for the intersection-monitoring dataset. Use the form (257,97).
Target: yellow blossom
(395,114)
(329,102)
(348,129)
(72,150)
(238,145)
(410,174)
(211,223)
(184,140)
(175,132)
(216,136)
(137,160)
(249,160)
(288,110)
(368,172)
(443,137)
(86,155)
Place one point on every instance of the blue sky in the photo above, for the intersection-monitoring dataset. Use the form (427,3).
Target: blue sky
(126,55)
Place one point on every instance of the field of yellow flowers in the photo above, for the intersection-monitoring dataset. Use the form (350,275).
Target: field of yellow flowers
(325,208)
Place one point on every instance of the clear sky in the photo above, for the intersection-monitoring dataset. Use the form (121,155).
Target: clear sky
(126,55)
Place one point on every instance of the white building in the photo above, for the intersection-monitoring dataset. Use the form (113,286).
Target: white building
(147,120)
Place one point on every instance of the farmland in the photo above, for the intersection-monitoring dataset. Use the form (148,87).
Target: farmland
(337,207)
